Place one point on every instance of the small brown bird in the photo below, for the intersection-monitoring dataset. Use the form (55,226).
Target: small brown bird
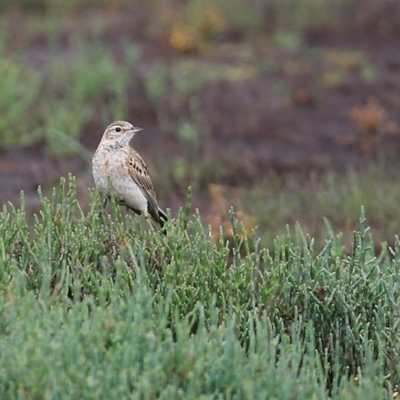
(117,164)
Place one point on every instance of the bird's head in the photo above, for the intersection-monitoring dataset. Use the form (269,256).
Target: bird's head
(120,131)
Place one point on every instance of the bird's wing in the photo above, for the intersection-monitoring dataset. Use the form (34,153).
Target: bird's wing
(139,173)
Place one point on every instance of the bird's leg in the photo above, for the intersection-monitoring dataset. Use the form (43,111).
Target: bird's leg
(102,214)
(103,200)
(147,217)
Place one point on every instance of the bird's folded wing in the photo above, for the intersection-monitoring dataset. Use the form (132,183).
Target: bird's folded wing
(140,174)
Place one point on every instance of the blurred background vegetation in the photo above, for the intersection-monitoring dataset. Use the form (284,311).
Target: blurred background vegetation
(288,110)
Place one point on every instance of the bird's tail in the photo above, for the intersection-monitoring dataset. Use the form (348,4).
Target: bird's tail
(163,217)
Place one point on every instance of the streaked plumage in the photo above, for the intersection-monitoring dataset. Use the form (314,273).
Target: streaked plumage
(115,162)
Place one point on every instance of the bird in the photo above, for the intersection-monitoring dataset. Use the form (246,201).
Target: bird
(119,167)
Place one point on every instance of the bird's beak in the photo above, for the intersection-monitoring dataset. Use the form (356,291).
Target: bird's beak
(136,129)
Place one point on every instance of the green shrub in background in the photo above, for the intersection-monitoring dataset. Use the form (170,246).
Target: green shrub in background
(94,306)
(19,89)
(57,102)
(77,91)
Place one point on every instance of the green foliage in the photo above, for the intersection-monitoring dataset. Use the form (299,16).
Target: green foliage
(19,89)
(94,306)
(307,198)
(58,101)
(81,89)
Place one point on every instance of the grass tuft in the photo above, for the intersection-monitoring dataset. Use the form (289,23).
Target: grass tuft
(94,305)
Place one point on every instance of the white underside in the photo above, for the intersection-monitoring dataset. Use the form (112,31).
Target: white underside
(125,189)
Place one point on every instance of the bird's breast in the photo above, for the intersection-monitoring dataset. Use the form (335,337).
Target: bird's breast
(107,165)
(111,168)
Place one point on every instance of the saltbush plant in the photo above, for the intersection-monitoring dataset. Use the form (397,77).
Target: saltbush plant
(94,305)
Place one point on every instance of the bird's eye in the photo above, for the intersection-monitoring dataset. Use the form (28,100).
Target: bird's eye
(117,129)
